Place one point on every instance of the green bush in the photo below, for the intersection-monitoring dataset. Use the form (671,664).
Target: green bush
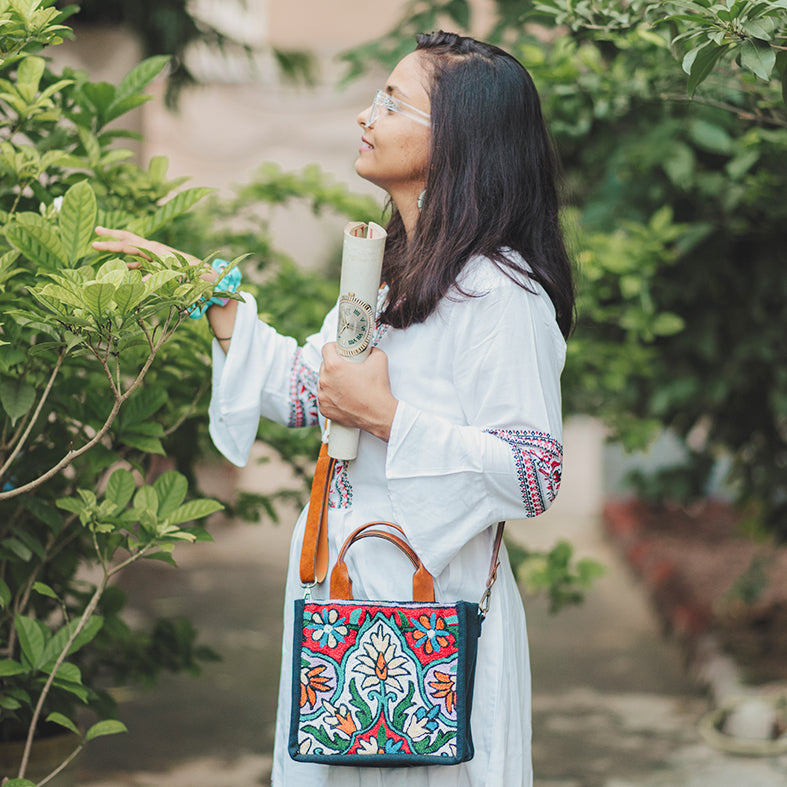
(81,413)
(671,126)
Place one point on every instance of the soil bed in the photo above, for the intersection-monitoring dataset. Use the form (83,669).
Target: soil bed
(694,563)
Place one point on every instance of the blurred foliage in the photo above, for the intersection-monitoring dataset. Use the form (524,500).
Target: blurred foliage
(555,573)
(670,122)
(170,27)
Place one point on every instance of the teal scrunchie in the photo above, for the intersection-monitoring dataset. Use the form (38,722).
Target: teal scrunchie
(228,283)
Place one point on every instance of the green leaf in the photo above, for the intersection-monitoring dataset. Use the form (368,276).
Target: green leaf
(9,667)
(77,220)
(44,590)
(758,57)
(144,443)
(140,76)
(106,727)
(178,205)
(171,488)
(98,297)
(28,77)
(63,721)
(144,404)
(66,672)
(146,499)
(120,487)
(5,594)
(711,137)
(9,703)
(100,95)
(38,240)
(194,509)
(700,62)
(17,398)
(19,783)
(89,631)
(31,639)
(17,547)
(127,296)
(44,512)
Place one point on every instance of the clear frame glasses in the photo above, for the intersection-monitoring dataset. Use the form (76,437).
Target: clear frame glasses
(383,101)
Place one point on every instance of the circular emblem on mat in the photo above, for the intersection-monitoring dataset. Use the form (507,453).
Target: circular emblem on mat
(356,323)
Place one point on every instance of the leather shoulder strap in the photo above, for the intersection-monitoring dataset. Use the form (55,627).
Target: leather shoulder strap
(314,553)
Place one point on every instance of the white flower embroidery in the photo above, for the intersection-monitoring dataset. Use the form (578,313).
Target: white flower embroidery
(326,631)
(381,662)
(416,728)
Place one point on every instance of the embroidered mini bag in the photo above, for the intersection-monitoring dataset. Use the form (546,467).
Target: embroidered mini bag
(380,683)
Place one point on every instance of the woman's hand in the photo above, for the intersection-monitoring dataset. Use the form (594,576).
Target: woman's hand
(357,394)
(125,242)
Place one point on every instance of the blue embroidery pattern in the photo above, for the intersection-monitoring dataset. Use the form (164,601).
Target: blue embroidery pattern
(539,462)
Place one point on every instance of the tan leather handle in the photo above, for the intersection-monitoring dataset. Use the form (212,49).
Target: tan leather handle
(341,584)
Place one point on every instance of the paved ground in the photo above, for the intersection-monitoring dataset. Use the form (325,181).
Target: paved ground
(613,706)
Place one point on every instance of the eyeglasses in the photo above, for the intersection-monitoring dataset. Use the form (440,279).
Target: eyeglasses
(384,101)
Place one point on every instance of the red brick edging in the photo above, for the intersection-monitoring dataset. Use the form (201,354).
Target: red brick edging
(683,614)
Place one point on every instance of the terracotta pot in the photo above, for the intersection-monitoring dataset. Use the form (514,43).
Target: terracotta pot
(46,755)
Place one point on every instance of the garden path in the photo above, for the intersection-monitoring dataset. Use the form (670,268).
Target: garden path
(613,706)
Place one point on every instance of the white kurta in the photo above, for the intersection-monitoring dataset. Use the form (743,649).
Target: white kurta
(476,439)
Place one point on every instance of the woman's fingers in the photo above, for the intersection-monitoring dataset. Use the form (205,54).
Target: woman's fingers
(125,242)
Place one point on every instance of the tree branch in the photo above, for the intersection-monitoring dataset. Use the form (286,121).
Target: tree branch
(72,455)
(44,397)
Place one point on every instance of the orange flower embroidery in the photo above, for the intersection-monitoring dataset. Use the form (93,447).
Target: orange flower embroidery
(312,682)
(444,688)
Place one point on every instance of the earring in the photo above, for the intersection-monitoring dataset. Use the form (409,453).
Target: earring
(421,198)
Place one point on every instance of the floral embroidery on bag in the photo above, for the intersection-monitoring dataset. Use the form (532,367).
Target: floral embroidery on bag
(539,462)
(303,393)
(396,680)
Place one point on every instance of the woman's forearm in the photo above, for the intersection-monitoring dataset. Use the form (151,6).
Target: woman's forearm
(222,322)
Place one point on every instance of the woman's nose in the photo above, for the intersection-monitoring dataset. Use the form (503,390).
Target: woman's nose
(363,117)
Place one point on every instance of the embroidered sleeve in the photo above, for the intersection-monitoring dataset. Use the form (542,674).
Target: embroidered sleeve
(303,393)
(539,462)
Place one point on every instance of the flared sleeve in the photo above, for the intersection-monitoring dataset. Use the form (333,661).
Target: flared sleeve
(262,374)
(449,481)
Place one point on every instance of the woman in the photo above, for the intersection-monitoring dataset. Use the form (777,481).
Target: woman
(459,402)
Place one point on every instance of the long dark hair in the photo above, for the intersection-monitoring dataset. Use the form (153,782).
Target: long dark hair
(490,185)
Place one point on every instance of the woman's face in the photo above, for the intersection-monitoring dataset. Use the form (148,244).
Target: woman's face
(394,153)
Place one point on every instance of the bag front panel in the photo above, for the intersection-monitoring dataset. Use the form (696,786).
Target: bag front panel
(383,683)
